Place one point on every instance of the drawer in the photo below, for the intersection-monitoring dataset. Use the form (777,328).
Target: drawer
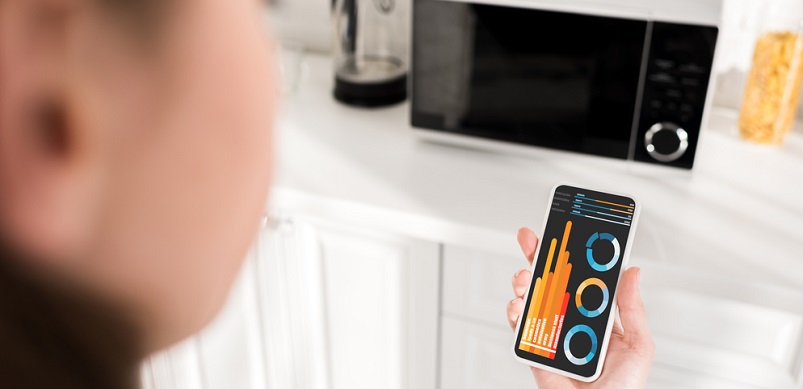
(476,285)
(720,329)
(476,356)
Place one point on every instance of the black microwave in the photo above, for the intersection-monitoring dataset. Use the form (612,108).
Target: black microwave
(622,87)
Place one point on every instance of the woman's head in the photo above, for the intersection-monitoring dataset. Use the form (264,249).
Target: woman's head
(135,148)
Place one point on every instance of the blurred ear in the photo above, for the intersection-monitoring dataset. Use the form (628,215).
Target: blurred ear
(46,183)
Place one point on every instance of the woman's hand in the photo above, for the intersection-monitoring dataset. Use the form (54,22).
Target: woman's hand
(631,349)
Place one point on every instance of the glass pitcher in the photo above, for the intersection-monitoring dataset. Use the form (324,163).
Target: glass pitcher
(371,51)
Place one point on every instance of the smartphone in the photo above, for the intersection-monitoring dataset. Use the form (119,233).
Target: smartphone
(571,301)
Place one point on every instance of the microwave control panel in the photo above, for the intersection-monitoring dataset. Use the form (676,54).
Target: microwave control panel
(676,84)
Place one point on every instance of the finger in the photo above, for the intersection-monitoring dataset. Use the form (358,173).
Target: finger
(617,327)
(514,309)
(521,280)
(528,243)
(631,310)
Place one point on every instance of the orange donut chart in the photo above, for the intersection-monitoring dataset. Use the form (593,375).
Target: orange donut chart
(605,297)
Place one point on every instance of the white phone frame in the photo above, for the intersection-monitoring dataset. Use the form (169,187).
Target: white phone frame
(614,306)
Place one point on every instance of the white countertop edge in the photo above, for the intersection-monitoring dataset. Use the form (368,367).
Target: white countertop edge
(285,202)
(297,203)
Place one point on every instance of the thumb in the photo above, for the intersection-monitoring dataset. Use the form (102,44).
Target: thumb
(631,310)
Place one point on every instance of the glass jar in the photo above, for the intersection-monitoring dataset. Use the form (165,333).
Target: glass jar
(371,44)
(773,84)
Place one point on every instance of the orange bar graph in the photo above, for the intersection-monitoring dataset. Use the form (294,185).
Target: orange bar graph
(554,345)
(557,303)
(541,319)
(548,301)
(619,205)
(534,313)
(547,316)
(624,212)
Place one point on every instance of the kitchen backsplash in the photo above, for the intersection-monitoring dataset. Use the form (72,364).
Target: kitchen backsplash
(308,22)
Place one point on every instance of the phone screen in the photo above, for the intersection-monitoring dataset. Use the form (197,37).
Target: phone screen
(577,270)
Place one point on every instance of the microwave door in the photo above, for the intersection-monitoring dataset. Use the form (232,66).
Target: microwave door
(544,78)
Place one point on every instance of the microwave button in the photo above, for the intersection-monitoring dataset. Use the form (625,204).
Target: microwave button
(663,78)
(674,93)
(692,68)
(665,64)
(686,108)
(692,97)
(666,141)
(672,106)
(656,104)
(686,118)
(692,82)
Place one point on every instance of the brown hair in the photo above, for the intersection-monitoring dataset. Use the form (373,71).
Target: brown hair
(54,337)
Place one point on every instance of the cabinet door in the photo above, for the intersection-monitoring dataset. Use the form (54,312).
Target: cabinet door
(479,356)
(178,367)
(269,334)
(318,305)
(226,354)
(381,308)
(710,332)
(476,285)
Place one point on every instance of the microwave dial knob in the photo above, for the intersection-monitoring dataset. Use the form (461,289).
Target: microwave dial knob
(666,141)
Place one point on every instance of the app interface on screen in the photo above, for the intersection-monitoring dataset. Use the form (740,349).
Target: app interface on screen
(576,273)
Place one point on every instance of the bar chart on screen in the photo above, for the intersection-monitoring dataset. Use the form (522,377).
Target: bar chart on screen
(549,301)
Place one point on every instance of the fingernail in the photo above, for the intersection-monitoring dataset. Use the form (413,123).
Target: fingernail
(638,278)
(517,273)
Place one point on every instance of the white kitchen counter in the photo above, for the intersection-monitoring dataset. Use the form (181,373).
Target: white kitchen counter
(740,212)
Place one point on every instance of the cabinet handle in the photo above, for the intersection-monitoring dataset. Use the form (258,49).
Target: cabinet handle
(277,222)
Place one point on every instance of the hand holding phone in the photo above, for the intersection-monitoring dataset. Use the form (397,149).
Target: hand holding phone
(569,336)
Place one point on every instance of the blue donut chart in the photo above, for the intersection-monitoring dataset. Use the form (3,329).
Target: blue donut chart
(591,353)
(590,252)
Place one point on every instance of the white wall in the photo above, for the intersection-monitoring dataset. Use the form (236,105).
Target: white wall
(303,21)
(309,22)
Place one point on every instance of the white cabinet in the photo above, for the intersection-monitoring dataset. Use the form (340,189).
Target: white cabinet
(710,332)
(232,351)
(478,356)
(318,305)
(381,308)
(477,285)
(323,305)
(227,353)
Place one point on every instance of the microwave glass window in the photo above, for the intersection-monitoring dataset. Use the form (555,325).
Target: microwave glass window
(559,80)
